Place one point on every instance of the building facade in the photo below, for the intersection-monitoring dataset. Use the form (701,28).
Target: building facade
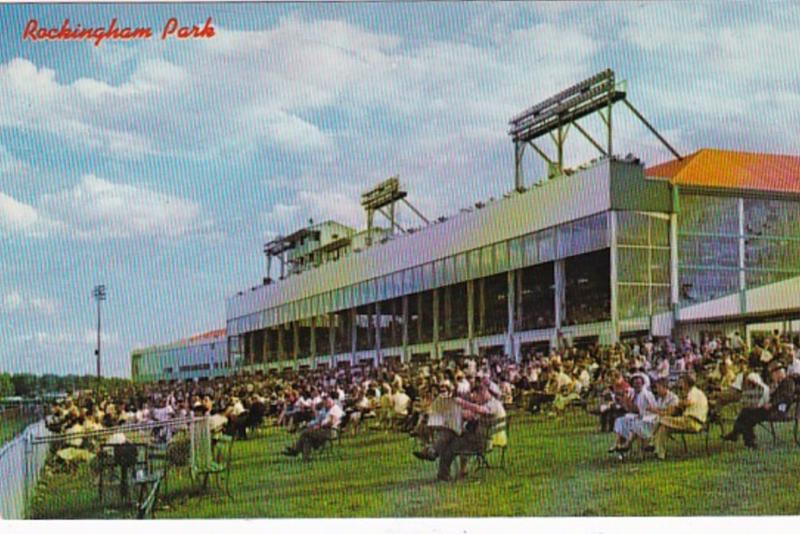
(199,357)
(706,244)
(526,271)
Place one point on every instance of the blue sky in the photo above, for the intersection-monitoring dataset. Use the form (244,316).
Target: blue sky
(159,168)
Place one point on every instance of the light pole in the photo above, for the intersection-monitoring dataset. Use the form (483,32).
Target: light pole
(99,294)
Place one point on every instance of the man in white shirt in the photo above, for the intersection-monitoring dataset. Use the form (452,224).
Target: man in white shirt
(319,431)
(401,403)
(479,416)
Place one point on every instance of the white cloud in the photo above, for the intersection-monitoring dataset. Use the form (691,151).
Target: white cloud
(19,218)
(264,125)
(97,208)
(10,165)
(84,114)
(14,301)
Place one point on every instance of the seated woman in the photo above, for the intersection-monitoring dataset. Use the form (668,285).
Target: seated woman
(566,395)
(642,403)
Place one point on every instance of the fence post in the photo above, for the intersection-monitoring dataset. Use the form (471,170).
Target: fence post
(27,491)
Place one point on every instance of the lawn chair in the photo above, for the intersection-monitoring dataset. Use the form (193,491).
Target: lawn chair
(704,431)
(157,468)
(145,507)
(792,416)
(210,457)
(332,444)
(496,438)
(123,457)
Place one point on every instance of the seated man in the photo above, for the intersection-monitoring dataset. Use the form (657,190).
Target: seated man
(543,392)
(479,416)
(318,431)
(694,414)
(401,404)
(763,403)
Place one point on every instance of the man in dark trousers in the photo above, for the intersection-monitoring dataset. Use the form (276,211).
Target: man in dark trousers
(479,415)
(319,431)
(776,408)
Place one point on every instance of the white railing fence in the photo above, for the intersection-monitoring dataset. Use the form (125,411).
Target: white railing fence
(20,466)
(22,459)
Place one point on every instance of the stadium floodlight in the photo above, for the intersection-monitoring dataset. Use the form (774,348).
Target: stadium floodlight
(587,96)
(558,113)
(99,294)
(383,194)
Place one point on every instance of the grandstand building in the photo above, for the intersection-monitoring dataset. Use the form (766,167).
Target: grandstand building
(201,356)
(708,242)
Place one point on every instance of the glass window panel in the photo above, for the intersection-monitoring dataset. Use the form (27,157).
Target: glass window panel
(461,267)
(703,284)
(338,299)
(632,228)
(427,276)
(475,263)
(771,217)
(634,301)
(582,236)
(661,298)
(408,281)
(347,297)
(448,275)
(397,278)
(388,286)
(546,247)
(416,277)
(487,260)
(438,273)
(598,230)
(705,251)
(708,214)
(531,250)
(516,258)
(501,256)
(379,289)
(774,254)
(565,245)
(355,295)
(659,266)
(659,232)
(632,265)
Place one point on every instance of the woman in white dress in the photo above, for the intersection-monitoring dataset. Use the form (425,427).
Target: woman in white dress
(665,401)
(643,403)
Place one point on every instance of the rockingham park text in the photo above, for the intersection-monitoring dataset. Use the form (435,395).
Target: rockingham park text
(172,28)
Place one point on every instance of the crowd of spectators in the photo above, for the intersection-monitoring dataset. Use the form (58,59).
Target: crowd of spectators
(643,390)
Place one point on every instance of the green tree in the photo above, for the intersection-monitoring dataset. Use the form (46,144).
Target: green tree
(24,384)
(6,385)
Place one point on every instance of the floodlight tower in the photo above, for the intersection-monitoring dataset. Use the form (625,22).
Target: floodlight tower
(99,294)
(386,194)
(555,116)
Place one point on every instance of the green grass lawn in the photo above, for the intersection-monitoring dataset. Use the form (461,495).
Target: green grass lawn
(554,468)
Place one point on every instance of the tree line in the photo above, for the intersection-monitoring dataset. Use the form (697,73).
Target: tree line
(29,385)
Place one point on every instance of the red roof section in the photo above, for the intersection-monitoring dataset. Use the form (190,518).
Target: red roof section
(208,335)
(729,169)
